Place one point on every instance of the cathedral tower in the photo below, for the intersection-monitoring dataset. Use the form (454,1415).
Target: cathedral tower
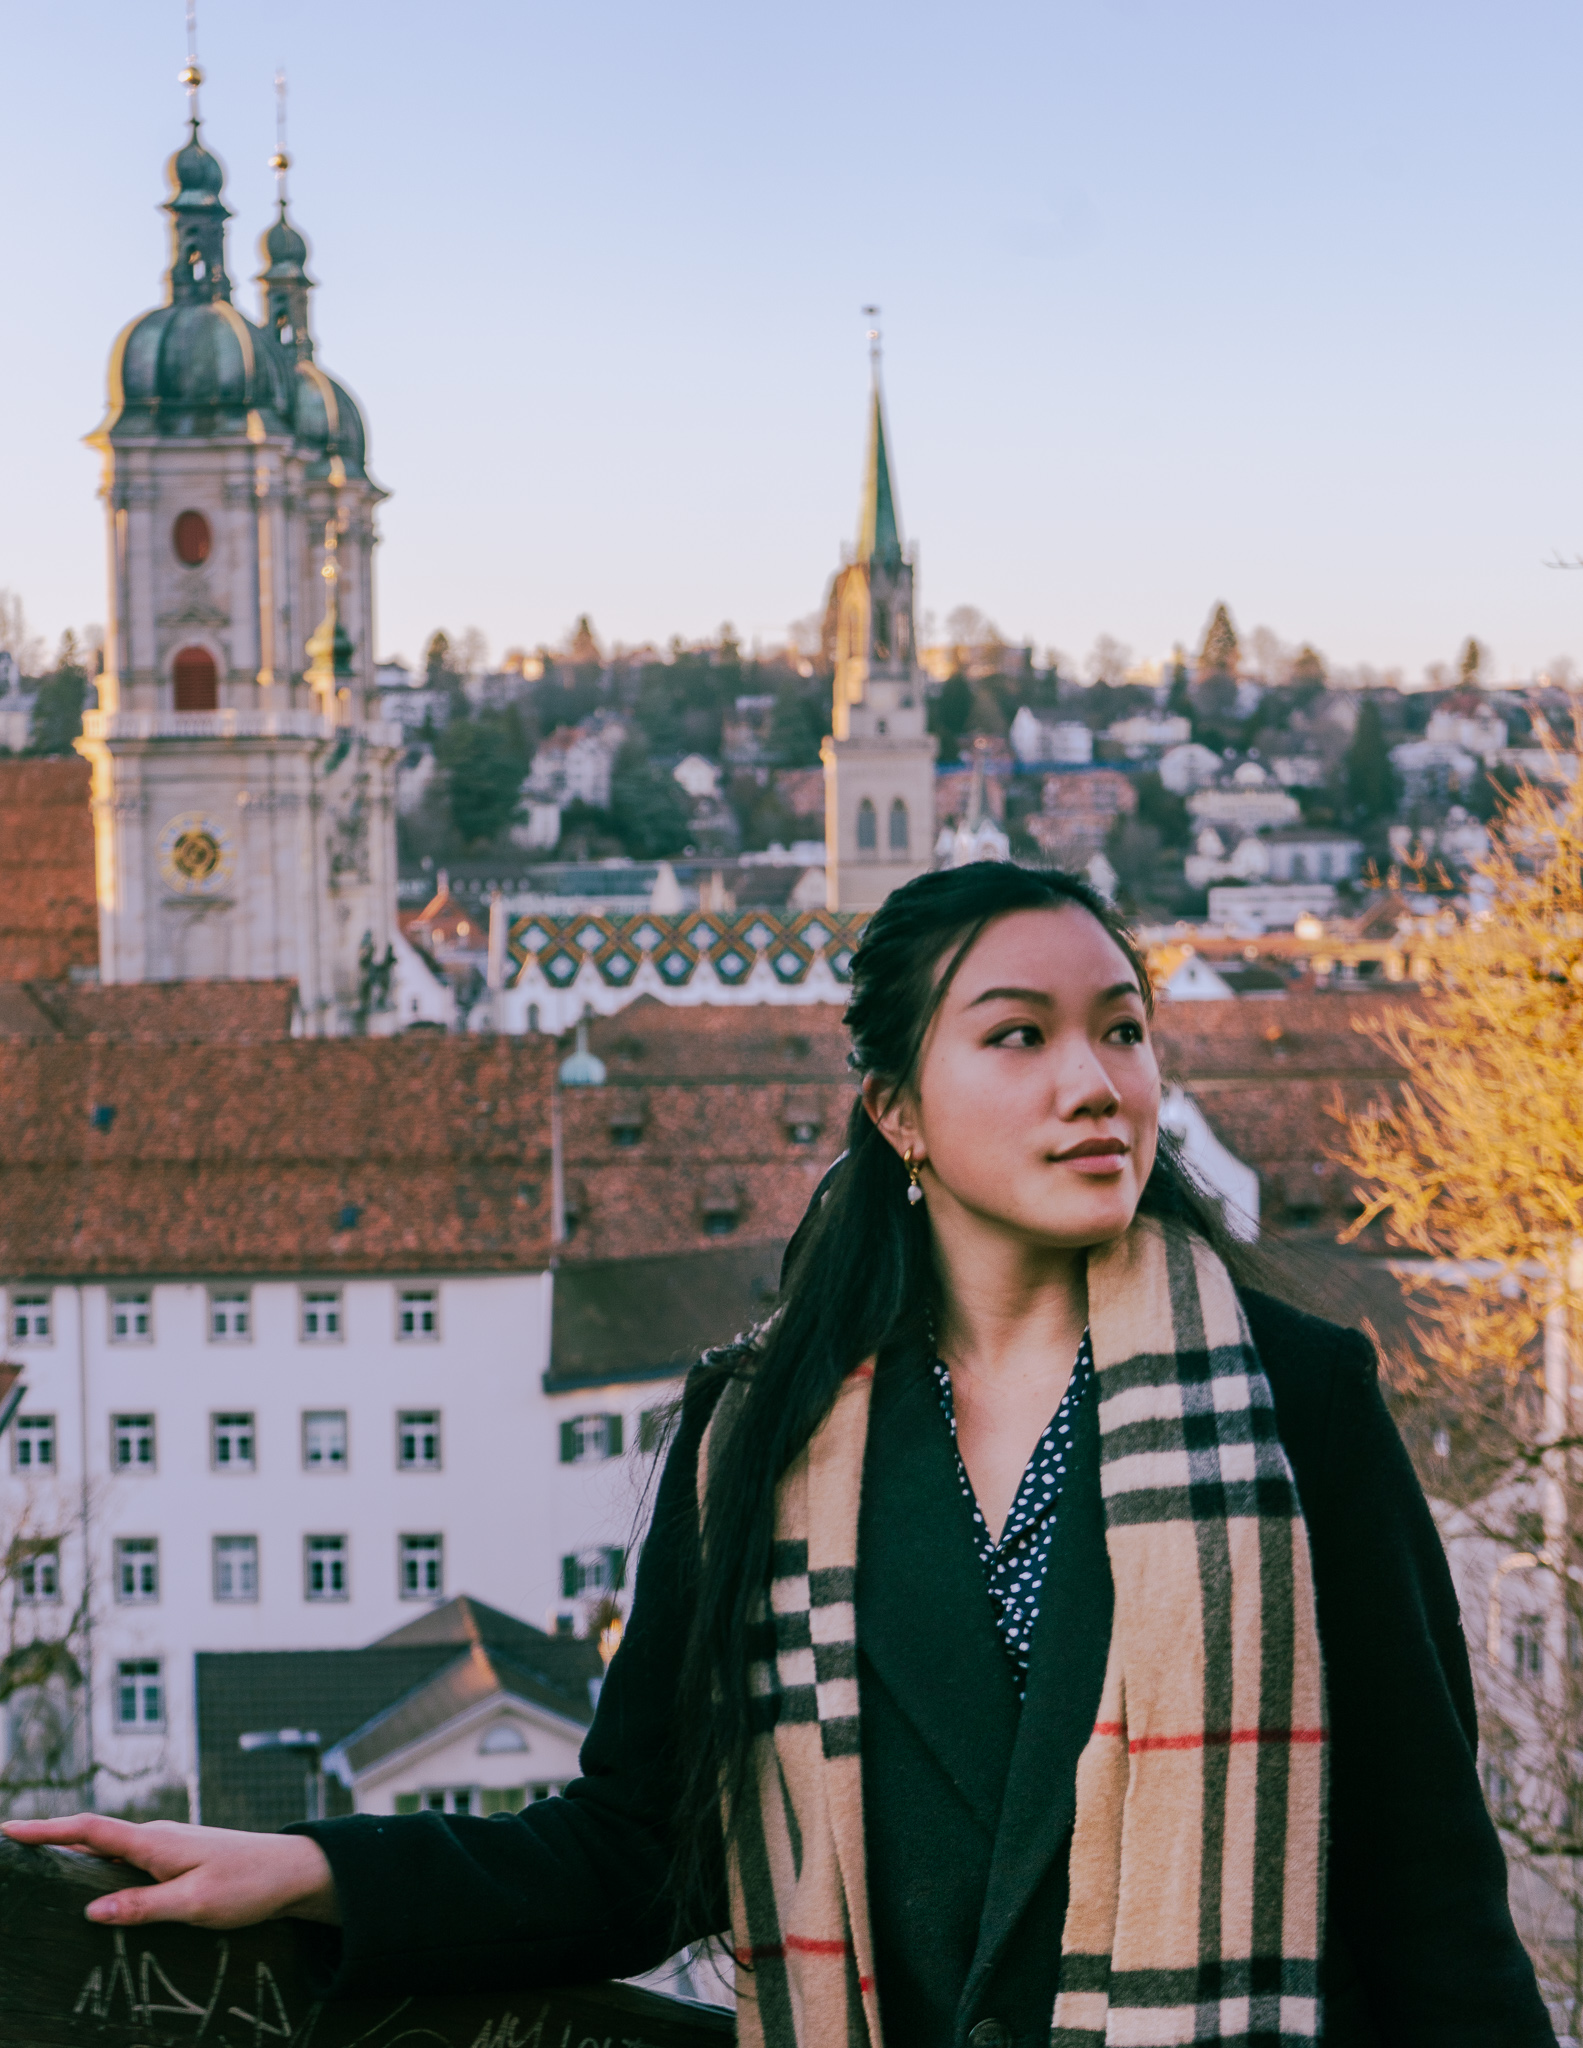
(879,756)
(243,801)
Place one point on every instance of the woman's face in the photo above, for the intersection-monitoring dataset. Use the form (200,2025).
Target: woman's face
(1037,1105)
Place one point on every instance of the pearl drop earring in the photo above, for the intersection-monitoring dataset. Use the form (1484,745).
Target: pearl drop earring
(914,1192)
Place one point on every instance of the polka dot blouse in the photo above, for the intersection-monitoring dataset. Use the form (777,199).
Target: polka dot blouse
(1015,1566)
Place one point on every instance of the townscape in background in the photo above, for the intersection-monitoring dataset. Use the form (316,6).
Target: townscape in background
(407,1068)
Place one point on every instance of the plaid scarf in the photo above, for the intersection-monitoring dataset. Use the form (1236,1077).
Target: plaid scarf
(1197,1856)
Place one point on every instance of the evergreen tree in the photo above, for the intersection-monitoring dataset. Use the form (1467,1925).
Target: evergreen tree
(484,761)
(1308,667)
(798,723)
(57,709)
(437,660)
(1219,653)
(1371,780)
(1471,664)
(1180,701)
(648,808)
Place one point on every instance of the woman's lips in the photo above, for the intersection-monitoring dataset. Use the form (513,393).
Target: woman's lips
(1097,1157)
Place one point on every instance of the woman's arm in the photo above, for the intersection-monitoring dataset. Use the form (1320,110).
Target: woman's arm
(1418,1879)
(571,1889)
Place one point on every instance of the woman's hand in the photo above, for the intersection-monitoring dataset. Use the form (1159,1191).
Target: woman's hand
(209,1877)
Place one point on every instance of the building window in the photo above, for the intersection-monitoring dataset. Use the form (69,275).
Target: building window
(417,1314)
(196,679)
(132,1443)
(462,1799)
(1528,1646)
(131,1319)
(236,1567)
(422,1574)
(30,1319)
(35,1572)
(232,1443)
(321,1315)
(230,1317)
(587,1438)
(899,840)
(33,1443)
(139,1694)
(418,1440)
(324,1440)
(655,1426)
(137,1570)
(867,827)
(191,538)
(324,1568)
(593,1571)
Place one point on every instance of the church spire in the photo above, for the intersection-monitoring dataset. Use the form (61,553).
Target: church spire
(878,531)
(284,278)
(197,212)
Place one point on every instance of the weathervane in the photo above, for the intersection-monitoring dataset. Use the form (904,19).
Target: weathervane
(280,163)
(872,313)
(191,76)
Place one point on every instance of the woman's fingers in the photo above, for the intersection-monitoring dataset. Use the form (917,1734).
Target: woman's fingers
(95,1831)
(180,1899)
(212,1877)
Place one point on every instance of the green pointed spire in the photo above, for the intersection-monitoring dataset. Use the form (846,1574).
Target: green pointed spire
(878,533)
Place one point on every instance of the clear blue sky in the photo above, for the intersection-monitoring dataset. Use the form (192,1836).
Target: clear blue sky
(1274,303)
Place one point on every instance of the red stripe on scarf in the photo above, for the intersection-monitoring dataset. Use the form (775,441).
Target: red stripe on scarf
(804,1944)
(1217,1738)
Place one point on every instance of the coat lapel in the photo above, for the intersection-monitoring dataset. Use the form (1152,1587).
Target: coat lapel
(924,1620)
(1066,1671)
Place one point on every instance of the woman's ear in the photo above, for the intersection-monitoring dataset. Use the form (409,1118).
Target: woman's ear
(894,1115)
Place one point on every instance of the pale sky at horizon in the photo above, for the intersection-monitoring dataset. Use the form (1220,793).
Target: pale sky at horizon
(1274,305)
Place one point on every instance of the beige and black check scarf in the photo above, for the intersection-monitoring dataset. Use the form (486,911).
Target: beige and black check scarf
(1197,1857)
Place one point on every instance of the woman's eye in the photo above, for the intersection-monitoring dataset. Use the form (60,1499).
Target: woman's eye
(1131,1032)
(1018,1036)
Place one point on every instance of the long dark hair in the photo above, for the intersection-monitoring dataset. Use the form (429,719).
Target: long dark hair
(859,1279)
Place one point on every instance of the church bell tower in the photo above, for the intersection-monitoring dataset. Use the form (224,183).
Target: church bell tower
(879,755)
(243,799)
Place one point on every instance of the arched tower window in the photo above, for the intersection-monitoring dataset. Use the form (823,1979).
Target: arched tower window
(197,682)
(882,632)
(867,827)
(191,538)
(898,826)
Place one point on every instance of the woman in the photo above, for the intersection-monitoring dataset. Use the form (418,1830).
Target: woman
(1067,1643)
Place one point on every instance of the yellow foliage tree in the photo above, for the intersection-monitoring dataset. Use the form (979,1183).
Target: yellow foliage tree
(1476,1166)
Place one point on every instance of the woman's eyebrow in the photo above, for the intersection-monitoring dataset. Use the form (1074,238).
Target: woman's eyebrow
(1012,995)
(1039,995)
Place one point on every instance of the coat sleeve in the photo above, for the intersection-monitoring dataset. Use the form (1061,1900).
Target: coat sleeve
(1417,1888)
(570,1890)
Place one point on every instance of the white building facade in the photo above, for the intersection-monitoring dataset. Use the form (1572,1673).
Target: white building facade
(299,1464)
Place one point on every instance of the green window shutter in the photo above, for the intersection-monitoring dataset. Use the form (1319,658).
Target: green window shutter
(406,1802)
(570,1576)
(504,1798)
(568,1443)
(612,1436)
(615,1569)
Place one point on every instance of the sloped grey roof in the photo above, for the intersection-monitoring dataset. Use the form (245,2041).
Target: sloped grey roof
(635,1319)
(412,1672)
(477,1675)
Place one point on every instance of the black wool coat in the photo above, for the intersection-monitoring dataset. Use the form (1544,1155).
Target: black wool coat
(969,1796)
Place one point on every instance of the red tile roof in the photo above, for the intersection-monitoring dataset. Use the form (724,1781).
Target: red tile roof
(150,1012)
(49,917)
(323,1156)
(696,1117)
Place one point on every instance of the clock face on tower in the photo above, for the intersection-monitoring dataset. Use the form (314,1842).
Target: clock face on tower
(195,856)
